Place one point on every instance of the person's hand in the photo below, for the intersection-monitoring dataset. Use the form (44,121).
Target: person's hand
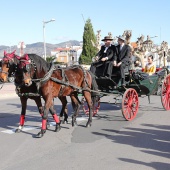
(118,64)
(104,59)
(96,58)
(114,63)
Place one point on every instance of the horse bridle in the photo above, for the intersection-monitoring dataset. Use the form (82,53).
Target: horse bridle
(31,75)
(27,67)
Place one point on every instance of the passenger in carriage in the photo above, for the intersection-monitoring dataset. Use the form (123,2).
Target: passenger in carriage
(103,57)
(137,65)
(150,67)
(121,59)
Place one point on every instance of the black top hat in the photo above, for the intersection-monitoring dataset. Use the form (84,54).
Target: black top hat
(107,38)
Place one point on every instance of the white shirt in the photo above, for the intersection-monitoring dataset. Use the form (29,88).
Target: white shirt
(106,48)
(121,46)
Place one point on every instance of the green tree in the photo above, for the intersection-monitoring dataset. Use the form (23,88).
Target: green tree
(50,59)
(89,50)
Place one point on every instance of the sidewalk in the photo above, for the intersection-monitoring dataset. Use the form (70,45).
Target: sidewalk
(7,91)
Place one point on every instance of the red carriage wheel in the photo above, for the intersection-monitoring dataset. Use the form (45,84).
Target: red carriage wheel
(130,104)
(86,109)
(165,93)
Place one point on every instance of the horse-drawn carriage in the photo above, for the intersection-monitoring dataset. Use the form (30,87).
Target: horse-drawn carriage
(137,84)
(49,81)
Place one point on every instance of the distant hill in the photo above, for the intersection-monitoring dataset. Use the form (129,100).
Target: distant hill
(38,48)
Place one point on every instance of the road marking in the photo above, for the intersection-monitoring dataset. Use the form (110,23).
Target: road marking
(28,128)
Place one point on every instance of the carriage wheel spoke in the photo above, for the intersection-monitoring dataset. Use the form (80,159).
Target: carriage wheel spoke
(130,104)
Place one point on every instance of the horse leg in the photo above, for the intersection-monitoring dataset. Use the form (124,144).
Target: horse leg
(44,118)
(48,104)
(87,96)
(56,119)
(64,109)
(76,106)
(40,108)
(44,123)
(23,112)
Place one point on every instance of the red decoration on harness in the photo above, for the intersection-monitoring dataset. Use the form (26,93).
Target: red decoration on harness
(22,120)
(24,61)
(9,56)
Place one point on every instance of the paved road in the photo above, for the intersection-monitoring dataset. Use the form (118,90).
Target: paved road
(111,143)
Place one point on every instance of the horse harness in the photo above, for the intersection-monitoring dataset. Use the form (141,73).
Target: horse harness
(64,82)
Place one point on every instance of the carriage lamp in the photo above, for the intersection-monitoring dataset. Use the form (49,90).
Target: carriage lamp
(45,22)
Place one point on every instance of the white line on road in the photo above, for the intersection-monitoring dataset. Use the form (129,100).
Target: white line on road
(28,128)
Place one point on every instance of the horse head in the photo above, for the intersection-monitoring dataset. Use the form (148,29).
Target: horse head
(28,72)
(34,67)
(7,65)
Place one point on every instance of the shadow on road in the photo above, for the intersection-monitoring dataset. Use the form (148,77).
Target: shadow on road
(154,139)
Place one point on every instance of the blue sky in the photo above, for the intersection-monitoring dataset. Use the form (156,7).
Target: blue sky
(22,20)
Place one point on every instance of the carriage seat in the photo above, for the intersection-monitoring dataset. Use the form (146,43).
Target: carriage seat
(116,71)
(160,73)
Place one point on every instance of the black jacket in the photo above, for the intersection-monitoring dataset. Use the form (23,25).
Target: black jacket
(123,55)
(109,53)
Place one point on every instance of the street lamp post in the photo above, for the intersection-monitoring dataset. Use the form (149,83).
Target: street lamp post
(45,22)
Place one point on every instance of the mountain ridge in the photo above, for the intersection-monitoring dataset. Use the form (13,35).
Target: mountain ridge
(38,47)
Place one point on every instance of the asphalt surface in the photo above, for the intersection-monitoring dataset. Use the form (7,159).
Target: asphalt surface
(111,143)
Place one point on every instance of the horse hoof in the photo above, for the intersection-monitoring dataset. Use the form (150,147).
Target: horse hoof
(88,125)
(40,134)
(19,129)
(58,128)
(65,122)
(74,123)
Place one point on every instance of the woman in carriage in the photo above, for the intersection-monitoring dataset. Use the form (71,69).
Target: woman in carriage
(150,67)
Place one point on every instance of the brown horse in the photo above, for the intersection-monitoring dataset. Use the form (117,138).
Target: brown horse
(9,64)
(54,82)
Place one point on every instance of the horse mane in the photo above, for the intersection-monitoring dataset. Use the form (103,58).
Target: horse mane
(41,64)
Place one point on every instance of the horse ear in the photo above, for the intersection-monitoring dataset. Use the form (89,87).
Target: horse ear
(4,53)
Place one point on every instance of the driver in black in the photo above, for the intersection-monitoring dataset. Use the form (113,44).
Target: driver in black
(103,57)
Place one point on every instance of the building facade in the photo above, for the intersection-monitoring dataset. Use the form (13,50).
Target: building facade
(67,55)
